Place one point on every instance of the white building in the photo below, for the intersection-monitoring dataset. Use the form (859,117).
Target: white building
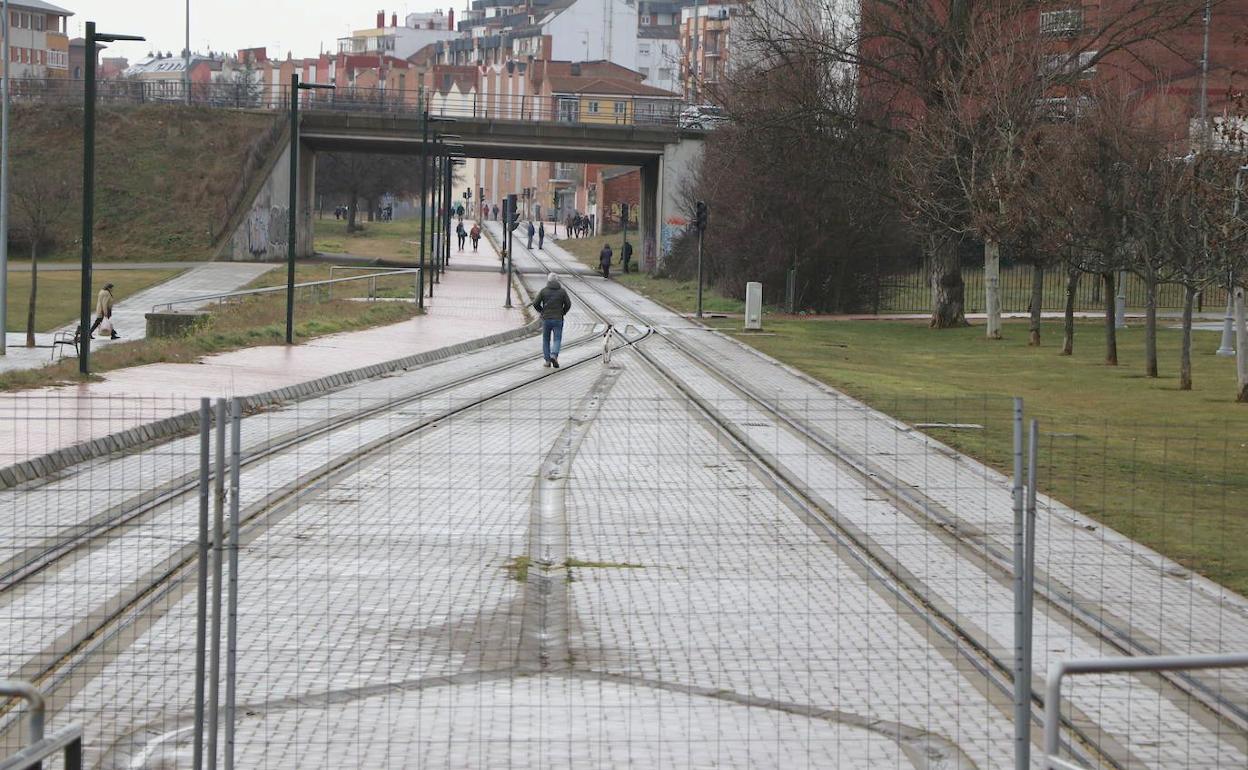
(418,31)
(498,31)
(659,57)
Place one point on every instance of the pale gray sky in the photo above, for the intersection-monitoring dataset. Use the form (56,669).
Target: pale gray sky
(301,26)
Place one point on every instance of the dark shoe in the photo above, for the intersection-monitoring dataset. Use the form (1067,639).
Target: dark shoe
(115,336)
(547,364)
(554,362)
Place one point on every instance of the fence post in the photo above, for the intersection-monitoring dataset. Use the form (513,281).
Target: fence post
(231,633)
(218,528)
(1022,723)
(1029,571)
(201,614)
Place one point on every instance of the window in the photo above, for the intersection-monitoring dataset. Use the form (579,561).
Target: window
(38,19)
(645,72)
(665,73)
(1068,21)
(593,108)
(643,49)
(25,21)
(621,108)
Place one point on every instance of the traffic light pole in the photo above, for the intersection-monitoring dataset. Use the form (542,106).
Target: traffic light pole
(424,178)
(450,167)
(700,222)
(508,244)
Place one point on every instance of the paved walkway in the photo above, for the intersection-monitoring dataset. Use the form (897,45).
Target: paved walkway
(465,306)
(128,315)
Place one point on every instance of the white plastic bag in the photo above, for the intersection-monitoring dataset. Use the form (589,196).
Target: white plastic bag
(106,326)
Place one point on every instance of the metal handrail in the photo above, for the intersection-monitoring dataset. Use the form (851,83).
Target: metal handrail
(67,741)
(1058,669)
(16,688)
(206,298)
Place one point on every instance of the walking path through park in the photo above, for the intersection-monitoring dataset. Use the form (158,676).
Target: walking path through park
(465,306)
(128,315)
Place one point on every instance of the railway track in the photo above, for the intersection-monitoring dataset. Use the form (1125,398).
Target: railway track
(145,597)
(1087,746)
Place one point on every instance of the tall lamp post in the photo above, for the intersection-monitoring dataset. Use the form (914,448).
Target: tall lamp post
(292,219)
(452,154)
(455,160)
(4,188)
(426,119)
(1227,348)
(88,183)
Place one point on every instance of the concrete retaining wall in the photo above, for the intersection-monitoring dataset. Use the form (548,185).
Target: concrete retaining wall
(187,423)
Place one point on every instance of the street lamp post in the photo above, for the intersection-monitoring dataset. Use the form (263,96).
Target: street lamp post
(426,119)
(4,189)
(88,185)
(292,220)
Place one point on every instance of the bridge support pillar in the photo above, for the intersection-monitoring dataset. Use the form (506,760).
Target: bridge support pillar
(306,197)
(662,186)
(649,230)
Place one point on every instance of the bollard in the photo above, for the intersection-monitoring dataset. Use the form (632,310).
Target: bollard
(753,306)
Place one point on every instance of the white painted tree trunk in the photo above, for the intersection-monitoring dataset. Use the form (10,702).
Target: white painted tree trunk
(1241,348)
(992,287)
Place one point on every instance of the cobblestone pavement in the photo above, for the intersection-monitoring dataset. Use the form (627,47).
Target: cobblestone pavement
(597,571)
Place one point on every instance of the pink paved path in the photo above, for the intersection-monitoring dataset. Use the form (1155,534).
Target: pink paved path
(466,305)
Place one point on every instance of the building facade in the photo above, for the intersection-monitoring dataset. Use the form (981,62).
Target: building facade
(38,44)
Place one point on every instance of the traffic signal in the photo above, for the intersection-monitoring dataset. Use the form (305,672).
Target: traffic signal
(700,216)
(554,199)
(514,211)
(624,213)
(481,194)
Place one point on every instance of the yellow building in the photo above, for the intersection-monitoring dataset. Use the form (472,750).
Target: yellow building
(583,95)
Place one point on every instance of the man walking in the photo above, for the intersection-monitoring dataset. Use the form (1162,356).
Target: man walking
(626,255)
(475,234)
(552,304)
(604,260)
(532,230)
(541,235)
(104,309)
(461,234)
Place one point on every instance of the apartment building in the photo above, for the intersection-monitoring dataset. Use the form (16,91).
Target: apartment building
(38,44)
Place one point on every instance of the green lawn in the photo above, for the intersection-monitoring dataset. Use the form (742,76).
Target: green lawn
(378,240)
(58,300)
(681,296)
(1160,465)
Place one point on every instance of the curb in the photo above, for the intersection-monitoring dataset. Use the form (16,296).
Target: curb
(187,423)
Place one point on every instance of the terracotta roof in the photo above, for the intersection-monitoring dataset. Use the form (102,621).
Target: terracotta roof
(604,86)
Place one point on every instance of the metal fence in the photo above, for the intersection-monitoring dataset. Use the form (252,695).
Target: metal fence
(484,562)
(911,292)
(615,111)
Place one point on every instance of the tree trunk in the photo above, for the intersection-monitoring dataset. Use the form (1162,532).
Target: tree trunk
(1241,348)
(948,290)
(34,288)
(1068,319)
(1037,303)
(992,287)
(1111,333)
(1150,326)
(352,210)
(1185,357)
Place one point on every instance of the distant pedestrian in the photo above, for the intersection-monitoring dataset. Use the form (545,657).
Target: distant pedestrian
(104,311)
(496,212)
(532,231)
(475,234)
(485,211)
(626,255)
(570,225)
(461,234)
(541,234)
(604,260)
(459,212)
(552,304)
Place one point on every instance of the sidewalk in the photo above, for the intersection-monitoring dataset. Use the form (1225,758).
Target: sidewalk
(128,315)
(465,306)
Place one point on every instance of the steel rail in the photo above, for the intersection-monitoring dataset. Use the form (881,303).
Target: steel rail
(891,493)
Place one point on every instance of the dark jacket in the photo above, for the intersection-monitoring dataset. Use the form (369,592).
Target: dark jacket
(552,302)
(604,256)
(627,251)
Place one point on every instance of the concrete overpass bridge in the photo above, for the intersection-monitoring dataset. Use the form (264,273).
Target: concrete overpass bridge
(665,154)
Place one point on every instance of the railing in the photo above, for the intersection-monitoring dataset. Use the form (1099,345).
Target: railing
(328,285)
(638,111)
(379,272)
(67,740)
(1059,669)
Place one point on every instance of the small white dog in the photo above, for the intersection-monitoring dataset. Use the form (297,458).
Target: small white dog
(606,345)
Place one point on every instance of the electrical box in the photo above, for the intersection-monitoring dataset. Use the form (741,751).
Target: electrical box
(753,305)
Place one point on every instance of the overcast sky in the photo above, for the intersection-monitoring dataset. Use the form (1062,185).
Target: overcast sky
(302,27)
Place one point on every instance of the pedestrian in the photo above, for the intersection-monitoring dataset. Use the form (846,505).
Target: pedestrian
(103,311)
(552,304)
(626,255)
(495,212)
(461,234)
(485,211)
(541,235)
(604,260)
(475,234)
(459,212)
(532,231)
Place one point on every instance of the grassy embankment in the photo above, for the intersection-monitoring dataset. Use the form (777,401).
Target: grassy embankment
(57,301)
(255,321)
(1160,465)
(166,175)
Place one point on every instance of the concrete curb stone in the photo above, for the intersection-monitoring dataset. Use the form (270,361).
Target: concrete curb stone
(186,423)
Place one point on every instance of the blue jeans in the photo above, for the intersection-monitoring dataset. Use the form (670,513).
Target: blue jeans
(551,327)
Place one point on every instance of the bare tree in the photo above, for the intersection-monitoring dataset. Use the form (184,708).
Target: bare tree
(42,196)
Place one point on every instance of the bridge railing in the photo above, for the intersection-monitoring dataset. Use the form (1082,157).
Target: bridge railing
(608,111)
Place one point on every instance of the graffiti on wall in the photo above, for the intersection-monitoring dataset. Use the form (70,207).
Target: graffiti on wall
(266,230)
(672,227)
